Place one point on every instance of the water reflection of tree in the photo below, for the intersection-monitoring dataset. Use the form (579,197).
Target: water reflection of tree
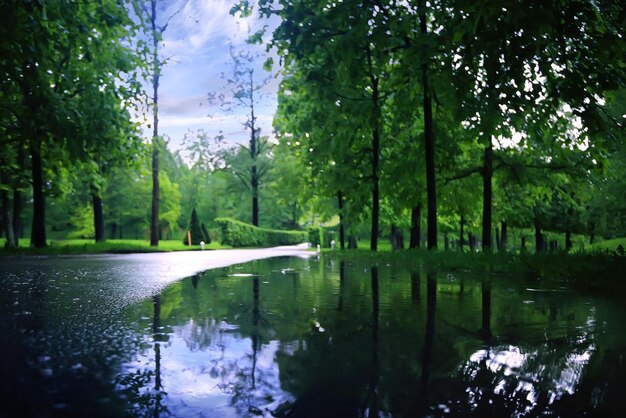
(143,387)
(342,285)
(485,329)
(249,387)
(509,380)
(371,405)
(377,356)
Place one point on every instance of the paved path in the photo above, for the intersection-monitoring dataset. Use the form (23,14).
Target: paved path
(126,278)
(187,263)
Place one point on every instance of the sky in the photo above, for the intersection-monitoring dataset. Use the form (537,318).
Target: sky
(196,45)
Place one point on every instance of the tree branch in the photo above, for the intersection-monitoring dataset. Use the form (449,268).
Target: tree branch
(463,174)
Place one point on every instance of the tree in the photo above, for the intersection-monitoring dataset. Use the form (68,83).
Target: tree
(523,62)
(246,92)
(195,230)
(156,35)
(343,53)
(55,55)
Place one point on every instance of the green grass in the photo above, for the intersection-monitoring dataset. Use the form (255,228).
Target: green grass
(364,244)
(590,271)
(610,244)
(86,246)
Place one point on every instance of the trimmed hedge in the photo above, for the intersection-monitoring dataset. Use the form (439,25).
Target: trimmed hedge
(240,234)
(323,235)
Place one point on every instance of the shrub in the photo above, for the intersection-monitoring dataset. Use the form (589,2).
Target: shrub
(196,230)
(323,235)
(207,236)
(240,234)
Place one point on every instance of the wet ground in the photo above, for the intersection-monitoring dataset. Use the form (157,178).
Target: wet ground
(295,335)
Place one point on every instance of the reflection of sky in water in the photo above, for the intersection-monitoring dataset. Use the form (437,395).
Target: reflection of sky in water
(89,324)
(207,369)
(520,374)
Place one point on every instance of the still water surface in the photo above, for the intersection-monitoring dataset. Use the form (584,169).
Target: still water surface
(291,337)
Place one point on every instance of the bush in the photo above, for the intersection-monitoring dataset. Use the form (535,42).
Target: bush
(323,235)
(240,234)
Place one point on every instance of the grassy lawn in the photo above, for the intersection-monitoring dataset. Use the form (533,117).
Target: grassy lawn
(610,244)
(86,246)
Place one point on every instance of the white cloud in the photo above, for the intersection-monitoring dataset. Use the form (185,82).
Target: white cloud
(199,25)
(197,40)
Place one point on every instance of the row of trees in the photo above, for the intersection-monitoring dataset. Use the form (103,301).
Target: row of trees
(480,115)
(69,78)
(72,75)
(398,106)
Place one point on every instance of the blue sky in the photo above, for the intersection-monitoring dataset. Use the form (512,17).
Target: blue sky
(197,43)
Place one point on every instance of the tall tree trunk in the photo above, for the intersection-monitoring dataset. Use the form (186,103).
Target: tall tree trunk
(504,236)
(375,192)
(254,152)
(17,215)
(18,200)
(255,196)
(98,215)
(429,148)
(38,231)
(7,225)
(416,226)
(462,233)
(393,238)
(156,66)
(568,240)
(487,196)
(538,238)
(375,154)
(472,242)
(113,230)
(498,238)
(341,226)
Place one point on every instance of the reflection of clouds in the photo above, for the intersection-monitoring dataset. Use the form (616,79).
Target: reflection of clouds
(525,376)
(206,370)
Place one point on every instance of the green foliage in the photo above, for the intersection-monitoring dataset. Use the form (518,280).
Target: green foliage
(205,231)
(240,234)
(315,235)
(82,223)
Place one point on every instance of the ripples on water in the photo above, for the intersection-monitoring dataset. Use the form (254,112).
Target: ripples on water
(301,338)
